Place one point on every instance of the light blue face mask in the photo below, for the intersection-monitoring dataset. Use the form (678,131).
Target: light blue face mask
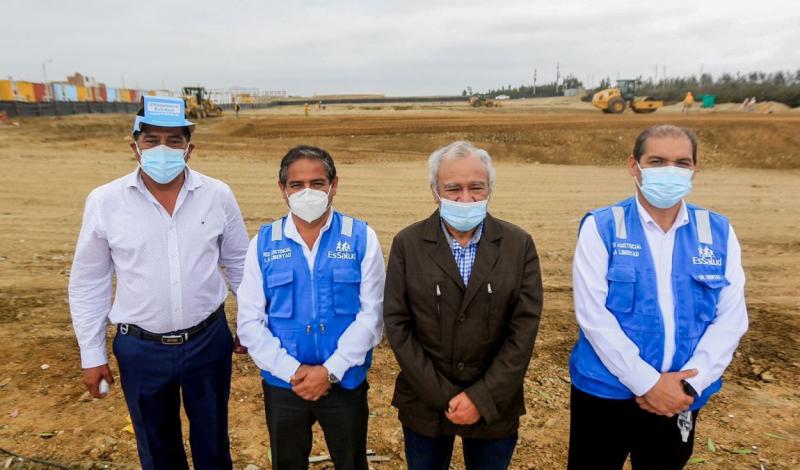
(665,186)
(462,216)
(162,163)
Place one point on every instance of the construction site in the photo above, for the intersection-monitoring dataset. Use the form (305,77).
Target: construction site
(556,158)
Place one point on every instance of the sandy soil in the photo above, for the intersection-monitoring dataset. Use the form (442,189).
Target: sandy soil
(552,166)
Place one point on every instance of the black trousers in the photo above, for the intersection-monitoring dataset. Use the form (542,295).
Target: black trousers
(342,414)
(604,432)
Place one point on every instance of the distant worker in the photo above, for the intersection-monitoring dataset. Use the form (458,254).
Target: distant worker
(236,108)
(176,241)
(305,109)
(746,104)
(751,106)
(688,102)
(319,105)
(659,298)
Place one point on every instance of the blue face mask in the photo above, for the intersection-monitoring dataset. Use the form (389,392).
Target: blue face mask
(462,216)
(665,186)
(162,163)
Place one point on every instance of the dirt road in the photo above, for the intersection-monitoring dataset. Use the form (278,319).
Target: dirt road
(552,167)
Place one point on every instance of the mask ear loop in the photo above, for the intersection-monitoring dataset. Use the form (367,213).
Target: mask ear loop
(328,194)
(141,168)
(641,173)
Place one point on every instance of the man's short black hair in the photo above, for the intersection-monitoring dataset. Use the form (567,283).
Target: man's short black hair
(136,134)
(312,153)
(664,130)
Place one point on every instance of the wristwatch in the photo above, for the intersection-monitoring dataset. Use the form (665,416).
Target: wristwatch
(332,378)
(688,389)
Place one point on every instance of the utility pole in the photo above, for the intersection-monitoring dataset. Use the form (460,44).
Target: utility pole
(558,75)
(46,83)
(534,82)
(123,80)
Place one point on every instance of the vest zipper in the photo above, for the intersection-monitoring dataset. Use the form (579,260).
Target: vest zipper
(314,312)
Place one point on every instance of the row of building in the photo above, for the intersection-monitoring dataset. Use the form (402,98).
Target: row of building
(77,88)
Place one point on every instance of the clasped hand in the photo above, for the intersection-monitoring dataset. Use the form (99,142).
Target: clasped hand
(667,397)
(461,410)
(311,382)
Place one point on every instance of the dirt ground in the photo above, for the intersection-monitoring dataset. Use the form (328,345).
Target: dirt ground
(553,164)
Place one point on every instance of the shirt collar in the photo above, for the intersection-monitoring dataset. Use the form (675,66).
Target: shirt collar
(647,219)
(476,237)
(290,229)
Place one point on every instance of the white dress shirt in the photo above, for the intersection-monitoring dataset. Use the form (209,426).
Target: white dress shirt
(362,335)
(617,352)
(167,267)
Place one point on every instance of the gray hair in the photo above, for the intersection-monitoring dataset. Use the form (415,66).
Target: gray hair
(458,149)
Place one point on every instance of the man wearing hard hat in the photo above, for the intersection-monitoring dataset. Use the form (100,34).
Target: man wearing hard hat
(165,231)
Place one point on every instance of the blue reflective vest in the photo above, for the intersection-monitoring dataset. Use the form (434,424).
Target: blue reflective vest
(698,276)
(308,312)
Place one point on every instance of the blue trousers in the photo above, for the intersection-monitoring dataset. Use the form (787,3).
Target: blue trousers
(434,453)
(156,376)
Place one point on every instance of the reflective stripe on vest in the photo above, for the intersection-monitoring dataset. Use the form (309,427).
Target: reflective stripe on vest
(277,230)
(619,222)
(703,227)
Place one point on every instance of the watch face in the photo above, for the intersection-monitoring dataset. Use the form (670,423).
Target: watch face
(333,379)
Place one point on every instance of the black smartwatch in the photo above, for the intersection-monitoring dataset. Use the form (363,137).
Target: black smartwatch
(688,389)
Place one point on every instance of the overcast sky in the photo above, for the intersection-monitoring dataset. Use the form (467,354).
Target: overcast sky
(397,48)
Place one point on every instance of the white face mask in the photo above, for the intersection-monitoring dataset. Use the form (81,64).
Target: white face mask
(308,204)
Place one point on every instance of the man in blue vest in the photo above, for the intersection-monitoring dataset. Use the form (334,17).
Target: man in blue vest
(310,312)
(659,298)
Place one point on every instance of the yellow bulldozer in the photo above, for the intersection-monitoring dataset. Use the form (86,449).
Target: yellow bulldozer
(615,100)
(199,104)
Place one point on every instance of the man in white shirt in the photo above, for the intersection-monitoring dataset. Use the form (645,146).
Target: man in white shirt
(659,298)
(310,312)
(165,231)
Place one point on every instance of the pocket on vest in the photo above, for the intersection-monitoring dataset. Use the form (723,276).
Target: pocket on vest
(346,290)
(706,289)
(621,288)
(280,285)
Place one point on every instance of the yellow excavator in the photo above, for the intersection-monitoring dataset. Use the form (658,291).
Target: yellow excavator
(199,104)
(615,100)
(479,101)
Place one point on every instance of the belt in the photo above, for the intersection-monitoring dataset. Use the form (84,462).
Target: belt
(174,337)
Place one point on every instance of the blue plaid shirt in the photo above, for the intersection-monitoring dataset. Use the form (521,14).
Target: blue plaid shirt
(464,256)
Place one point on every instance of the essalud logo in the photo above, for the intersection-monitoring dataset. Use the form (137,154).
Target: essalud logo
(706,256)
